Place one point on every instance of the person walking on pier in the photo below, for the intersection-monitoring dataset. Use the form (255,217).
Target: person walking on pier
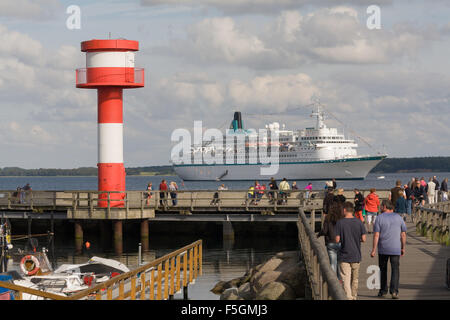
(173,188)
(216,198)
(149,192)
(436,189)
(419,194)
(444,190)
(359,202)
(390,240)
(328,231)
(328,201)
(431,191)
(163,191)
(272,194)
(408,195)
(340,196)
(371,204)
(350,232)
(308,190)
(251,194)
(395,192)
(400,205)
(284,190)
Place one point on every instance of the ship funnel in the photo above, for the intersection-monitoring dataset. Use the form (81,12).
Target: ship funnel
(237,120)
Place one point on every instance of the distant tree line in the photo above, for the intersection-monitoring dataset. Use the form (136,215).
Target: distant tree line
(389,165)
(84,171)
(397,165)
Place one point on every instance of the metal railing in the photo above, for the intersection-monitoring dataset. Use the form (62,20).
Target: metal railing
(433,221)
(135,76)
(160,279)
(323,280)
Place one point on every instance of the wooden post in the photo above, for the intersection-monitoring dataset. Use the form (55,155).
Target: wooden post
(109,206)
(227,231)
(144,234)
(172,278)
(185,283)
(121,290)
(166,279)
(143,286)
(200,258)
(195,262)
(313,220)
(127,205)
(152,284)
(78,237)
(91,205)
(178,273)
(142,204)
(158,282)
(191,266)
(118,242)
(133,288)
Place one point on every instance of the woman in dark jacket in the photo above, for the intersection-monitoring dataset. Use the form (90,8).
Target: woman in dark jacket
(400,205)
(335,213)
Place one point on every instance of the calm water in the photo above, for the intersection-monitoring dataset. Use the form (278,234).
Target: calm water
(140,182)
(221,261)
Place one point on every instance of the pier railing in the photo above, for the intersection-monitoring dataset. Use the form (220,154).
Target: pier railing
(160,200)
(159,279)
(433,221)
(323,280)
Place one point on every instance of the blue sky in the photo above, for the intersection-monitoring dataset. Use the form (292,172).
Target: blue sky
(205,59)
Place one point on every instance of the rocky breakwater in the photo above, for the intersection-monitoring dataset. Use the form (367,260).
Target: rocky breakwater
(283,277)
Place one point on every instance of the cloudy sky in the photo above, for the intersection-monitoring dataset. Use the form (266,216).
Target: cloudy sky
(205,59)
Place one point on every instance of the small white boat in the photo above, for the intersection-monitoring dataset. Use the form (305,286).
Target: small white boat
(67,279)
(381,177)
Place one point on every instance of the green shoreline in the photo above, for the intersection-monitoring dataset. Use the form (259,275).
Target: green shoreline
(388,165)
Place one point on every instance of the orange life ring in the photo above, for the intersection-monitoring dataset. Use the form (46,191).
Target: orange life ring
(35,265)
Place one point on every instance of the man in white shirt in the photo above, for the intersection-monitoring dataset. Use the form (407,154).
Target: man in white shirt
(431,190)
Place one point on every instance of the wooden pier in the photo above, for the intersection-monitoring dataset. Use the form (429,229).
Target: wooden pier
(422,268)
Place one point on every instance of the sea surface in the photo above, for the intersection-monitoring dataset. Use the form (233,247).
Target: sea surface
(379,181)
(221,261)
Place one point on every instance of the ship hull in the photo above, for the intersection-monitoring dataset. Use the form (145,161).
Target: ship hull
(342,169)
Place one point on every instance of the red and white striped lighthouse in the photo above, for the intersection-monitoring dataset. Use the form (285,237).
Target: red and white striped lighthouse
(110,69)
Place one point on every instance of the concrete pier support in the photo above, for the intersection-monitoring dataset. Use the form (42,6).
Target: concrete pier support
(227,234)
(118,239)
(144,235)
(78,237)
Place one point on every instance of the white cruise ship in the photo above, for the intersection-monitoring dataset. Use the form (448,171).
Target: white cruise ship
(316,153)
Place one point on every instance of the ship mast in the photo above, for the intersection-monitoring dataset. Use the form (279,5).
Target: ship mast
(318,113)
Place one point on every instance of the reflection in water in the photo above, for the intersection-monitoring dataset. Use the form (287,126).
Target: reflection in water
(221,261)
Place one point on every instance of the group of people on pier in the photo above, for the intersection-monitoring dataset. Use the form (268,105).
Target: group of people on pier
(21,193)
(164,192)
(278,193)
(346,224)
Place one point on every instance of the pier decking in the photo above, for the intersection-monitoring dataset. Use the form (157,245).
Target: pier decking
(422,269)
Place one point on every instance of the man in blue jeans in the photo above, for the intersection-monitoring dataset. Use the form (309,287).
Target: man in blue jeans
(390,238)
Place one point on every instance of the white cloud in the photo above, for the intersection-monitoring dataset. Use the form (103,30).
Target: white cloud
(272,93)
(256,6)
(29,9)
(331,35)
